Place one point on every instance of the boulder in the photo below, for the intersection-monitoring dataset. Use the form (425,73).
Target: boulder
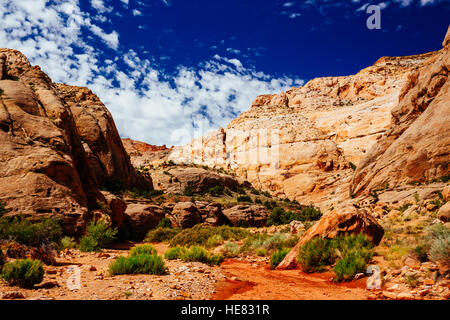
(185,215)
(140,218)
(46,253)
(340,221)
(296,226)
(211,213)
(247,215)
(444,213)
(446,193)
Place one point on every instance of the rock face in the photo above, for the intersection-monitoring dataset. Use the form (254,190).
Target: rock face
(347,220)
(300,143)
(417,145)
(247,215)
(49,168)
(185,215)
(143,154)
(176,179)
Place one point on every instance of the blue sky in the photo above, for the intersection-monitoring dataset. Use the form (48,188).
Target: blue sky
(169,70)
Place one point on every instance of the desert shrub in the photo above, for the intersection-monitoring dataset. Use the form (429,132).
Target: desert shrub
(216,191)
(200,234)
(421,253)
(2,208)
(23,273)
(279,216)
(411,280)
(255,191)
(164,223)
(143,249)
(67,243)
(267,242)
(89,244)
(99,235)
(261,252)
(270,204)
(161,234)
(404,207)
(352,166)
(214,241)
(230,249)
(438,240)
(114,186)
(244,199)
(314,255)
(353,252)
(139,193)
(30,233)
(240,190)
(175,253)
(200,254)
(277,257)
(138,264)
(351,264)
(258,201)
(188,191)
(2,259)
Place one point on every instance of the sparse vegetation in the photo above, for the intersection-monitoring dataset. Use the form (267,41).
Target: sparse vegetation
(421,253)
(23,273)
(268,242)
(164,223)
(216,191)
(438,239)
(200,234)
(352,166)
(277,257)
(279,216)
(175,253)
(161,234)
(99,235)
(244,199)
(30,233)
(142,249)
(188,191)
(200,254)
(138,264)
(67,243)
(230,249)
(352,253)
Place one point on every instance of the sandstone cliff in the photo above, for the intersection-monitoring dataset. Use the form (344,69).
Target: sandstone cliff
(304,143)
(416,148)
(59,146)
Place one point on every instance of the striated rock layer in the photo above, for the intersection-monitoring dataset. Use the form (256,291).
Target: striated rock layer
(304,143)
(58,147)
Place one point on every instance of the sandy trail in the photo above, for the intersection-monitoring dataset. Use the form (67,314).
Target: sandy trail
(262,283)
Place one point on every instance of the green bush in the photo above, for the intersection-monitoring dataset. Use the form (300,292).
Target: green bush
(314,255)
(67,243)
(421,253)
(161,234)
(240,190)
(139,264)
(30,233)
(89,244)
(164,223)
(277,257)
(188,191)
(230,249)
(175,253)
(214,241)
(268,242)
(216,191)
(244,199)
(99,235)
(438,240)
(351,264)
(200,254)
(23,273)
(2,259)
(143,249)
(352,253)
(200,234)
(261,252)
(279,216)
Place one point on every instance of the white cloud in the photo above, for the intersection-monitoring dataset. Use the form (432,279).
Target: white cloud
(145,103)
(136,12)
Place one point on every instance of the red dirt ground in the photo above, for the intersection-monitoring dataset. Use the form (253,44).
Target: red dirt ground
(262,283)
